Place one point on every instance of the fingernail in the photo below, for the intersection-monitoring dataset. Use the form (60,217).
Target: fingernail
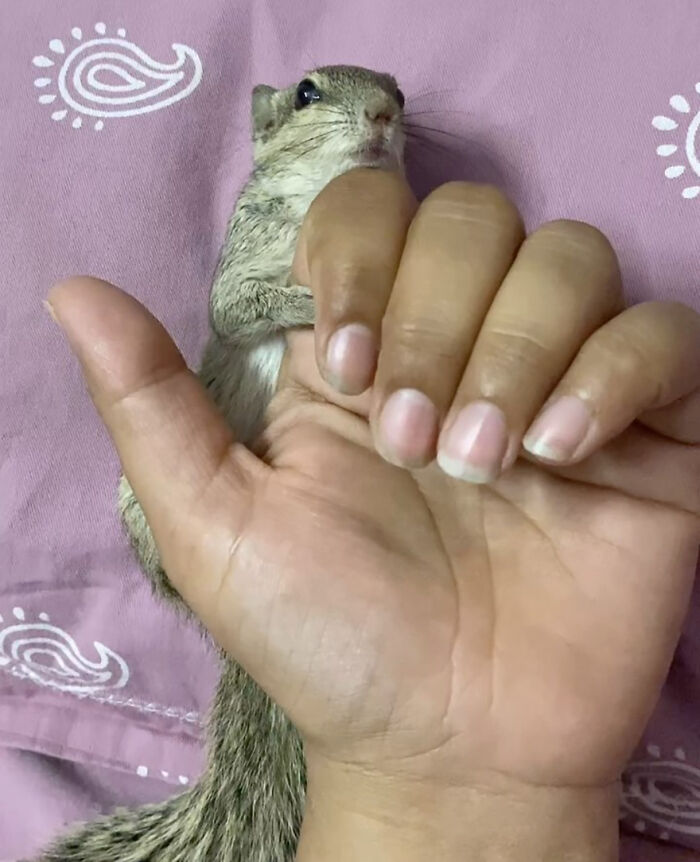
(475,443)
(350,358)
(559,430)
(49,308)
(408,427)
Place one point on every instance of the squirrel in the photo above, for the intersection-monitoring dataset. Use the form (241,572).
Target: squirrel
(248,805)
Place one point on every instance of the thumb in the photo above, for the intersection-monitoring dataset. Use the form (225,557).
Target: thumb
(176,450)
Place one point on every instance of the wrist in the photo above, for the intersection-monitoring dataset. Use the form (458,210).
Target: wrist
(352,816)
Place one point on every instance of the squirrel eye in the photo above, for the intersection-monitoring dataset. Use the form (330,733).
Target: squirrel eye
(307,92)
(400,98)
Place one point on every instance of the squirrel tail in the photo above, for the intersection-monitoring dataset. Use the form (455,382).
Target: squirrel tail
(142,835)
(247,806)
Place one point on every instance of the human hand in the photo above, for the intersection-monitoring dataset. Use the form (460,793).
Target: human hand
(507,639)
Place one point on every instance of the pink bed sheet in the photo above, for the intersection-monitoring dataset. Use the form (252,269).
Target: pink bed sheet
(584,110)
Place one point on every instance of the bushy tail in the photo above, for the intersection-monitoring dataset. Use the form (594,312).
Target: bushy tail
(145,835)
(246,808)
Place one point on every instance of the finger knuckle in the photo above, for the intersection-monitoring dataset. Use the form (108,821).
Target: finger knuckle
(517,346)
(472,202)
(421,339)
(670,318)
(614,347)
(579,238)
(626,362)
(583,255)
(506,358)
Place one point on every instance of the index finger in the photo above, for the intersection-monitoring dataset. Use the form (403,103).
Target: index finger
(348,252)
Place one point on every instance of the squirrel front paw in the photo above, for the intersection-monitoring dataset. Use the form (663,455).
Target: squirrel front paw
(299,308)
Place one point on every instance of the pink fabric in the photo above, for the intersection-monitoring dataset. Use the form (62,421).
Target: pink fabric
(42,794)
(553,101)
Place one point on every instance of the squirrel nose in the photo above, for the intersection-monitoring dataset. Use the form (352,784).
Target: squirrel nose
(379,114)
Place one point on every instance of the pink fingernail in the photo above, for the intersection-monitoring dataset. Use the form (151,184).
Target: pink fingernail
(351,358)
(559,430)
(408,426)
(475,443)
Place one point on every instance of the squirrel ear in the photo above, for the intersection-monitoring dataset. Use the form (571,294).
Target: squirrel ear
(263,108)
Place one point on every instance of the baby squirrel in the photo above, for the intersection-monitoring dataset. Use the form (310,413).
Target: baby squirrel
(247,807)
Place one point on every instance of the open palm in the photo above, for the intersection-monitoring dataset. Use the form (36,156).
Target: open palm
(433,626)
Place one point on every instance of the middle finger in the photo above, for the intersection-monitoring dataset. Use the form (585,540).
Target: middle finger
(457,252)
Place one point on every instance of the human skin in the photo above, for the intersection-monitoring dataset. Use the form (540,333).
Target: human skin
(470,649)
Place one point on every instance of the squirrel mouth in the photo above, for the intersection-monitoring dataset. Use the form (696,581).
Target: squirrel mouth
(376,149)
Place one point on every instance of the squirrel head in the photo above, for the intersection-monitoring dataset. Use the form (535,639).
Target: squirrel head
(335,118)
